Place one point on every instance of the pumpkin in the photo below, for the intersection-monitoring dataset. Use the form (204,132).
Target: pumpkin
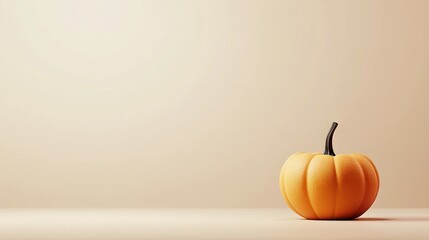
(329,186)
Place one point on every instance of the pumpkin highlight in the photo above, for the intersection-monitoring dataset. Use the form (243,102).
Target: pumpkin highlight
(329,186)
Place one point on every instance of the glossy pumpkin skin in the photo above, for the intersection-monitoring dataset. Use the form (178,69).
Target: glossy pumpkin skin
(322,186)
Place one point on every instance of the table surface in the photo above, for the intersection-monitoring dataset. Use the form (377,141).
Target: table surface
(202,224)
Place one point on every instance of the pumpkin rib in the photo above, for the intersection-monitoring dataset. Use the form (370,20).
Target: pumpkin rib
(290,204)
(306,187)
(297,154)
(301,203)
(362,201)
(336,189)
(375,170)
(282,187)
(281,182)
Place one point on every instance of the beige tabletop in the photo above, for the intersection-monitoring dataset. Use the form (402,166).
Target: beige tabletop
(200,224)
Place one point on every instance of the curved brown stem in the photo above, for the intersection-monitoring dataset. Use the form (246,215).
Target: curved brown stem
(328,145)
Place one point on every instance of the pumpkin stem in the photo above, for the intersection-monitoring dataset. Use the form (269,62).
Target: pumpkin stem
(328,145)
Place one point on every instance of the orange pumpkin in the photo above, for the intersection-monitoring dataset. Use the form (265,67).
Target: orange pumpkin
(329,186)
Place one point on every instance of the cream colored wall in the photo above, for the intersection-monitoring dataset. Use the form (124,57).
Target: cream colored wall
(198,103)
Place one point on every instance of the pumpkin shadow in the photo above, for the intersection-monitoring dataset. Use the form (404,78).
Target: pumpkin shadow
(398,219)
(374,219)
(370,219)
(351,220)
(365,219)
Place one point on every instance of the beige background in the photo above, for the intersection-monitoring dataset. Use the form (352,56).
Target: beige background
(198,103)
